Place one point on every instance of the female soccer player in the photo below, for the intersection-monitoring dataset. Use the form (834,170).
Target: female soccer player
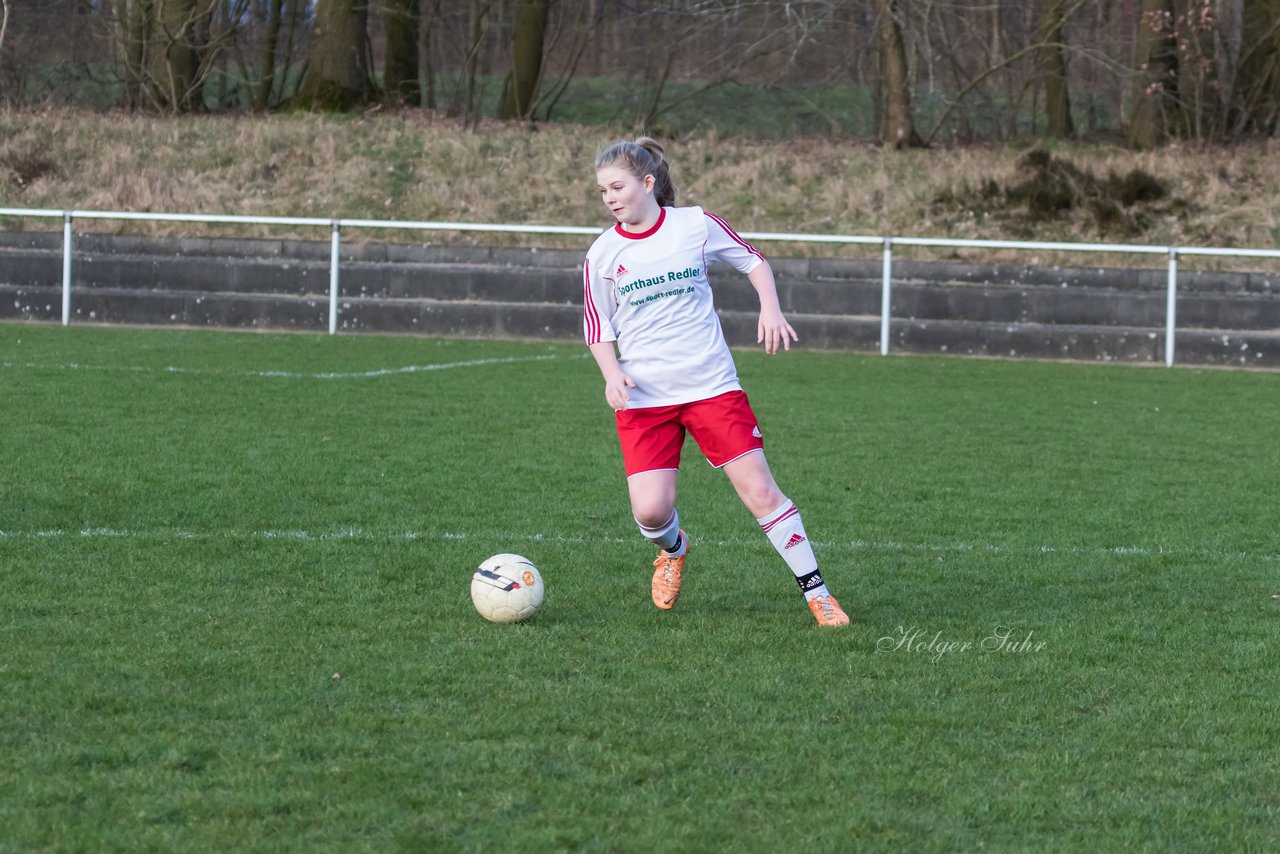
(646,292)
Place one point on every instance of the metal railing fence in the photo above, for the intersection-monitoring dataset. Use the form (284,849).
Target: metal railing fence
(887,244)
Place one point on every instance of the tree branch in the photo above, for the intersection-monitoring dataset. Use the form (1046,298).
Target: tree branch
(4,21)
(1007,61)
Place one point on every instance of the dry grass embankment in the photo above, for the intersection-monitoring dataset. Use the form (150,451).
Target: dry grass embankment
(415,166)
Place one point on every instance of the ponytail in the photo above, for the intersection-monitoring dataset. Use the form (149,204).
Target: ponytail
(642,157)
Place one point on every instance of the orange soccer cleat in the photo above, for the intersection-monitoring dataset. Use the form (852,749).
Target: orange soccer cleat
(827,611)
(668,573)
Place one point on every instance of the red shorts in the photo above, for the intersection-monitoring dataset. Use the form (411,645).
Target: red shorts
(724,427)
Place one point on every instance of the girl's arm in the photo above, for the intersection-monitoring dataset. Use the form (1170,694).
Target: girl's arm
(616,382)
(773,329)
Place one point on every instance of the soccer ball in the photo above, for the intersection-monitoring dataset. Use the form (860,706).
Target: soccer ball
(506,588)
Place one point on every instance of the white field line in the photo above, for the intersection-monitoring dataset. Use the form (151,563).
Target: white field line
(339,375)
(364,535)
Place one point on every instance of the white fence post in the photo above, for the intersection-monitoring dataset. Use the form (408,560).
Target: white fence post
(333,281)
(886,277)
(66,267)
(1171,308)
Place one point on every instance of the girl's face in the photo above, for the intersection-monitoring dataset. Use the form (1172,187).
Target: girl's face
(628,198)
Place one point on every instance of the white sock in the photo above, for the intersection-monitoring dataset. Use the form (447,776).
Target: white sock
(667,537)
(785,530)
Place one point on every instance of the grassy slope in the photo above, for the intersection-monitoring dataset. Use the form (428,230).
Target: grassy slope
(414,166)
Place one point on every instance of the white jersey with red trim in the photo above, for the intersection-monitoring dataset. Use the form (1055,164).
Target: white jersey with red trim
(649,292)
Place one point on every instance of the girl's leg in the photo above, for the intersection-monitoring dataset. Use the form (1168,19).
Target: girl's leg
(781,523)
(653,504)
(751,477)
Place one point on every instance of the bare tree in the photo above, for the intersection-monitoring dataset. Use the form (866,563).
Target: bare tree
(1256,89)
(521,86)
(899,124)
(133,21)
(977,69)
(4,22)
(271,44)
(400,64)
(168,51)
(573,33)
(176,68)
(337,73)
(1053,65)
(429,25)
(297,33)
(478,25)
(1155,91)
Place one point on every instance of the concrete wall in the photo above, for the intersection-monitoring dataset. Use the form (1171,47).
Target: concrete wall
(978,309)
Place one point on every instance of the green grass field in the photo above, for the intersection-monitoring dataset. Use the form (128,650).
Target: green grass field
(234,610)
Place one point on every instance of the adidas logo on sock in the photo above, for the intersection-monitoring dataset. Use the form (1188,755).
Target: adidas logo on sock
(795,540)
(812,581)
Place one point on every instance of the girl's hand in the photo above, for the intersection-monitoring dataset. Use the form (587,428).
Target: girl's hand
(774,331)
(615,391)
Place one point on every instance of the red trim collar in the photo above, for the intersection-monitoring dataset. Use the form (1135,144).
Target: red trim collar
(640,235)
